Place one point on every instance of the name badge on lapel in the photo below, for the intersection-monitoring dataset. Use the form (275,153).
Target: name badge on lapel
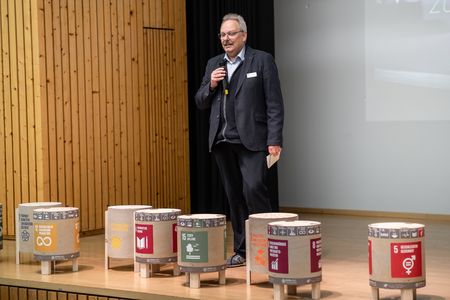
(251,75)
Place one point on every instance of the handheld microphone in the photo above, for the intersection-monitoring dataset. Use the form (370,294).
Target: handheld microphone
(225,80)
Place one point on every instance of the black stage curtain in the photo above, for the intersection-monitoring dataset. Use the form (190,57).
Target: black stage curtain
(203,19)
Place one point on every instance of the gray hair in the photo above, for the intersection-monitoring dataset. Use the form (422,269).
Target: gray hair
(238,18)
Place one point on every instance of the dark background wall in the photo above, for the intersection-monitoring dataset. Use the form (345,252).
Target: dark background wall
(203,19)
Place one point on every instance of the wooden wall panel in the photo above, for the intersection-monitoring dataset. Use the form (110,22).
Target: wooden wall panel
(4,70)
(166,117)
(111,163)
(162,14)
(21,168)
(83,90)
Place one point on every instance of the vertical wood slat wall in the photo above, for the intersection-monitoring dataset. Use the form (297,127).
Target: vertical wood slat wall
(21,168)
(21,293)
(94,105)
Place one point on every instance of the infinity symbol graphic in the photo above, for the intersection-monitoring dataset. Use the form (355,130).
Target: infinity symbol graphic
(44,241)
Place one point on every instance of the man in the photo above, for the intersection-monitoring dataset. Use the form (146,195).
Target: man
(242,89)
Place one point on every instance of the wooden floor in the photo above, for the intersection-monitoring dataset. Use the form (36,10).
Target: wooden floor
(344,262)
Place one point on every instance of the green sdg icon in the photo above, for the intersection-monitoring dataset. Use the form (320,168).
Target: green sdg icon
(194,246)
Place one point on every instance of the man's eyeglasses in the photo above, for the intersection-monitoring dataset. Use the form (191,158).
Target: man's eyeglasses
(230,34)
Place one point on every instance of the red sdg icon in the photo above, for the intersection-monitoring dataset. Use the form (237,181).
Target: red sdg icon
(406,260)
(144,238)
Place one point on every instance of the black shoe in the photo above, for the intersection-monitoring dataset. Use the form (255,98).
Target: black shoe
(235,261)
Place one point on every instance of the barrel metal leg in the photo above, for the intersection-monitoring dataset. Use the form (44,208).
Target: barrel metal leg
(144,270)
(75,264)
(194,281)
(315,288)
(407,294)
(46,267)
(222,278)
(278,292)
(375,293)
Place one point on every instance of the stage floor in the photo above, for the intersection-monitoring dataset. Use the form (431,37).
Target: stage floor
(344,269)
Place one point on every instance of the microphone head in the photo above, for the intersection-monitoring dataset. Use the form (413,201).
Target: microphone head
(223,63)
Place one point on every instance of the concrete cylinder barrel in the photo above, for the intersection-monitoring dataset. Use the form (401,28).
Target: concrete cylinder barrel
(256,239)
(156,237)
(56,233)
(294,252)
(396,255)
(202,246)
(120,230)
(201,238)
(24,225)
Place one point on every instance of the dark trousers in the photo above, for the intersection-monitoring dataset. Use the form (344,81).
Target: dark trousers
(244,177)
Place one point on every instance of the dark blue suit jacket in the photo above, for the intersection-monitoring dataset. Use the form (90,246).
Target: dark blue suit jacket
(259,110)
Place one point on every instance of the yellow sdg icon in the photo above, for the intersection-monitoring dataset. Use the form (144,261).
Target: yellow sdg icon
(116,242)
(45,237)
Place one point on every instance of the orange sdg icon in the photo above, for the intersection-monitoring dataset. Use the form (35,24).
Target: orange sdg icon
(45,237)
(260,257)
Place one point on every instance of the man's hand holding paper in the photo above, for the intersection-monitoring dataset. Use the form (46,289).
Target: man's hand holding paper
(274,155)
